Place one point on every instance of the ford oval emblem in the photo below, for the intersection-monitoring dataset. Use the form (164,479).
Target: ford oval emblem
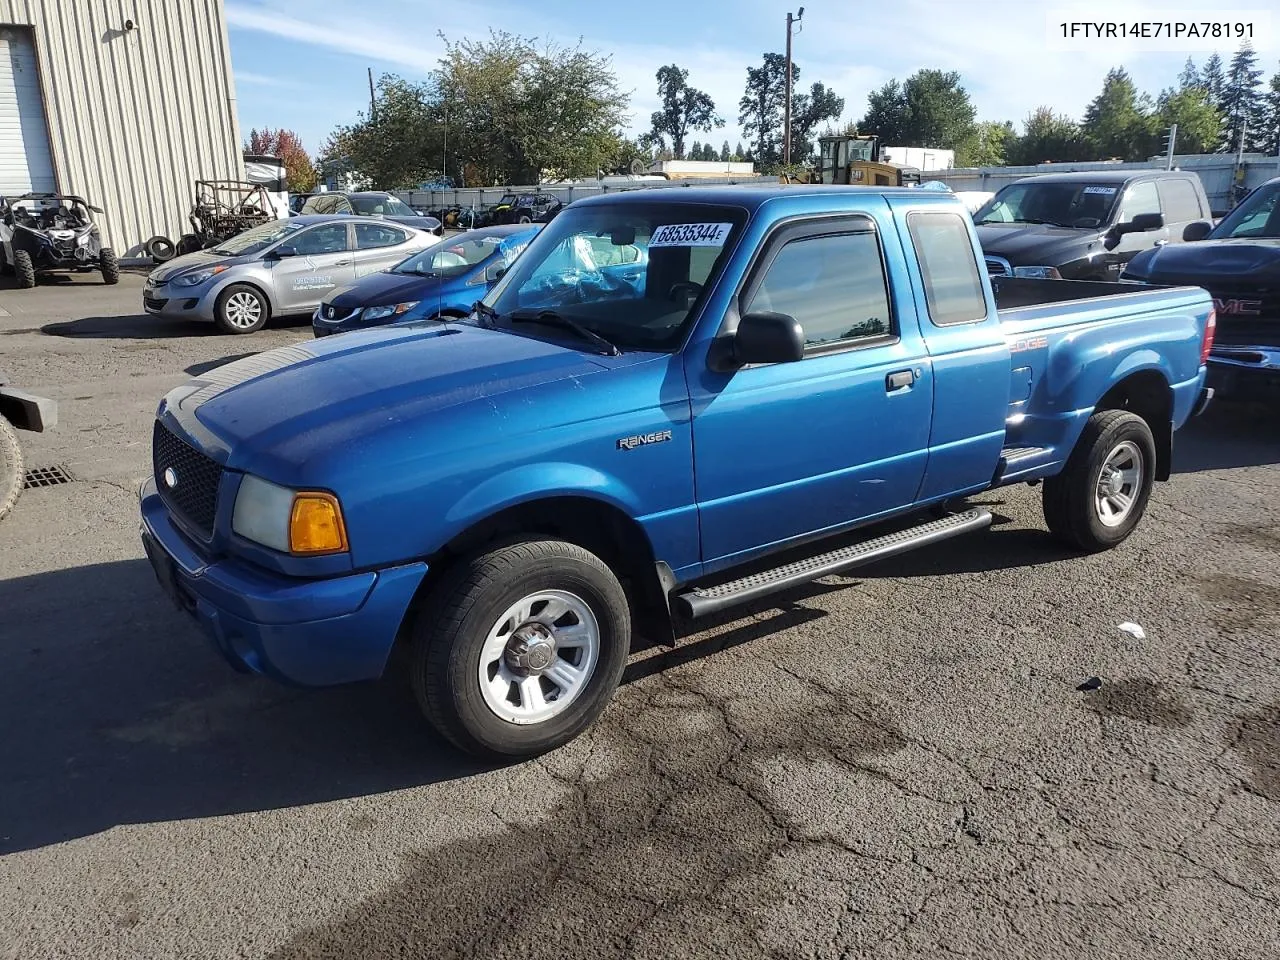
(170,477)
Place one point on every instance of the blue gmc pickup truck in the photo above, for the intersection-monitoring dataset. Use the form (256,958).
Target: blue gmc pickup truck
(802,380)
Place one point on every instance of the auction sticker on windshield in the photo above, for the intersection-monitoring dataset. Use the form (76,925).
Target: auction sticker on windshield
(690,235)
(1106,191)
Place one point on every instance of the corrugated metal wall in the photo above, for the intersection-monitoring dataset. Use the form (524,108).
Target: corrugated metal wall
(135,116)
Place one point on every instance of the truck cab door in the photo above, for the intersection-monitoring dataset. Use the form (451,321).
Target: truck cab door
(970,354)
(1139,198)
(785,451)
(321,262)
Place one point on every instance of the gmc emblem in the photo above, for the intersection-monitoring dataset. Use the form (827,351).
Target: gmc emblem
(1242,308)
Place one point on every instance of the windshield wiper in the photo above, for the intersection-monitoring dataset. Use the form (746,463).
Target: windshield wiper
(485,312)
(553,319)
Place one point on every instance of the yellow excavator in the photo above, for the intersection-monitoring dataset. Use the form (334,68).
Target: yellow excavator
(850,159)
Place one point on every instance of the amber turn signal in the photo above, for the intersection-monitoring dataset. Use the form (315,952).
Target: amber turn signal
(315,525)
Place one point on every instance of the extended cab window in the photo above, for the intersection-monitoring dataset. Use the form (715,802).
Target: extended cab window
(952,287)
(833,285)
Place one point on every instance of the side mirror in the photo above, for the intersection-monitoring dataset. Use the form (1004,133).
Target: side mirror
(279,253)
(495,272)
(1145,222)
(1197,230)
(768,338)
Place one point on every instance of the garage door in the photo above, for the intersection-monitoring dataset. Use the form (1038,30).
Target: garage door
(25,162)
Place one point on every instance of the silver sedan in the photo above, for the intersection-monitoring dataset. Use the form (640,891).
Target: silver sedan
(283,267)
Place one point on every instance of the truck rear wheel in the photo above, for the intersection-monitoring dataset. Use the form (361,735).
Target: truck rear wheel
(520,648)
(12,473)
(1101,494)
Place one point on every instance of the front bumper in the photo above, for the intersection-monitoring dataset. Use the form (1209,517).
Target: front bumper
(304,632)
(175,303)
(1246,373)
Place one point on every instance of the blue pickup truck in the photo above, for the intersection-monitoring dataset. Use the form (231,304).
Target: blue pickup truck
(802,380)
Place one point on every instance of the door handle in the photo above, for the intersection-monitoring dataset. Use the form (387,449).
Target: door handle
(343,263)
(899,380)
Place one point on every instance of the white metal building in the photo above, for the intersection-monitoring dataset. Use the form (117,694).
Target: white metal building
(123,102)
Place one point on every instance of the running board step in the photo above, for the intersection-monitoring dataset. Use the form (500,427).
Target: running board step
(1014,454)
(700,601)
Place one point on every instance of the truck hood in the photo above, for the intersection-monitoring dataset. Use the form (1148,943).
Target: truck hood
(287,405)
(379,288)
(1037,244)
(1209,263)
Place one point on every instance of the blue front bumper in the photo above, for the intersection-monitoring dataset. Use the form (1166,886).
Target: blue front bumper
(306,632)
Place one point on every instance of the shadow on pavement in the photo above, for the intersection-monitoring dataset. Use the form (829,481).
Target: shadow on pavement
(139,326)
(196,369)
(1228,435)
(116,711)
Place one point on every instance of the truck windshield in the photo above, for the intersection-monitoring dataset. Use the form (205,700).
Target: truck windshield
(1081,205)
(631,272)
(1257,217)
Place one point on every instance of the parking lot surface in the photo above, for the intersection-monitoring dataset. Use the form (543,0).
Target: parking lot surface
(894,764)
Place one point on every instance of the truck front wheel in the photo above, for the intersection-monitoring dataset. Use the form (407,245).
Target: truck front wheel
(1101,494)
(520,647)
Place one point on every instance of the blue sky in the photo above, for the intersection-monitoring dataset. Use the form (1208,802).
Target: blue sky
(302,65)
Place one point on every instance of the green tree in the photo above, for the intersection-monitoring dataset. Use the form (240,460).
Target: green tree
(929,109)
(1190,76)
(684,109)
(694,153)
(1214,80)
(987,146)
(400,143)
(1243,105)
(1271,117)
(762,105)
(807,111)
(1115,125)
(1198,120)
(726,155)
(739,154)
(1046,136)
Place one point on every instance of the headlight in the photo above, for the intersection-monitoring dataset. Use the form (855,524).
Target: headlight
(199,277)
(303,522)
(1037,273)
(388,310)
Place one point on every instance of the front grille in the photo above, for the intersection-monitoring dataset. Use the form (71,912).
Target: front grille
(195,494)
(154,303)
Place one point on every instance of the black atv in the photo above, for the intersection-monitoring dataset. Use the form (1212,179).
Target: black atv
(26,412)
(46,232)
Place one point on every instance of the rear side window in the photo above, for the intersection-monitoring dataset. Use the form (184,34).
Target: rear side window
(371,235)
(952,285)
(326,238)
(1179,199)
(833,285)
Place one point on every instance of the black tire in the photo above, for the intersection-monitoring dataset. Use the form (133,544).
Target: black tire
(12,470)
(5,268)
(24,268)
(160,249)
(525,218)
(450,633)
(188,243)
(223,310)
(1071,498)
(109,264)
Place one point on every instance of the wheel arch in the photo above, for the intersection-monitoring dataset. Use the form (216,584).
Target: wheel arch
(1147,393)
(592,523)
(267,295)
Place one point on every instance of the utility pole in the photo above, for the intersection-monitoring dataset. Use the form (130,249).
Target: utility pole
(1173,136)
(786,125)
(373,103)
(444,154)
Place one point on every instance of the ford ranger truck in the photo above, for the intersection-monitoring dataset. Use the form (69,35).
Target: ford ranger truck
(785,384)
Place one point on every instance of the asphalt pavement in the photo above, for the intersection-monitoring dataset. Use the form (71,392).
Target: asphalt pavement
(897,764)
